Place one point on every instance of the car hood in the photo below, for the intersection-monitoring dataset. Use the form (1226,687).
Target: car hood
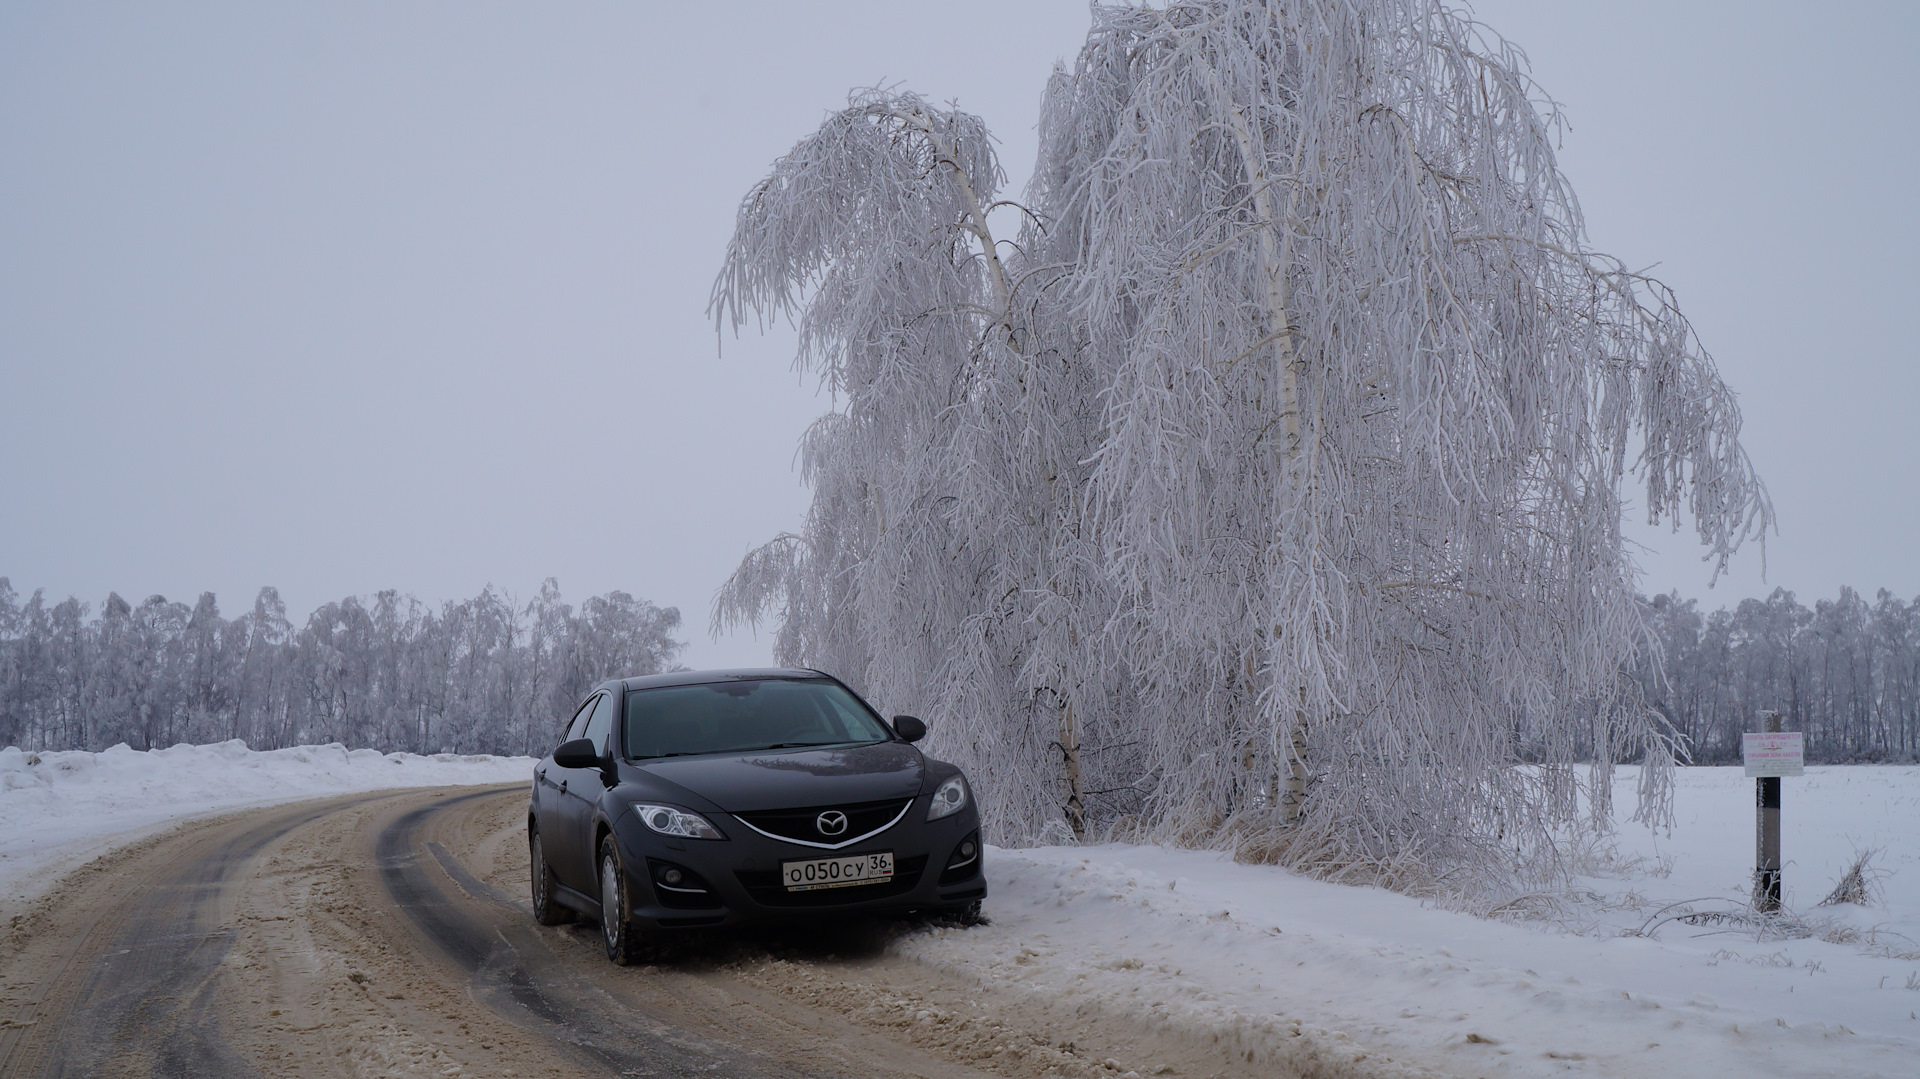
(798,779)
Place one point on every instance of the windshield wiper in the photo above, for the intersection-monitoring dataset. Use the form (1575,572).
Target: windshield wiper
(657,756)
(801,745)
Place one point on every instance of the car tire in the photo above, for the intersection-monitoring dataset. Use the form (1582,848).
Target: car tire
(545,910)
(966,916)
(625,944)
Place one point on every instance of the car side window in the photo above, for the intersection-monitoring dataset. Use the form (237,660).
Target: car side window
(577,728)
(600,724)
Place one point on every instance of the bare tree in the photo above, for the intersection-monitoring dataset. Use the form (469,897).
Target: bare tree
(480,675)
(1845,673)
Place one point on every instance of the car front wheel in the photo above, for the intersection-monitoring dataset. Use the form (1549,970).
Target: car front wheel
(624,945)
(545,910)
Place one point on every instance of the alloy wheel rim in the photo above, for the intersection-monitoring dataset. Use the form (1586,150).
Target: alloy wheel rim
(610,900)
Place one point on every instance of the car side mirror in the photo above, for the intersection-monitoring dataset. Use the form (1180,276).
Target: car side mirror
(909,728)
(578,753)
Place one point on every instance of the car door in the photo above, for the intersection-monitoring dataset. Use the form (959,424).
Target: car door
(584,788)
(592,782)
(558,810)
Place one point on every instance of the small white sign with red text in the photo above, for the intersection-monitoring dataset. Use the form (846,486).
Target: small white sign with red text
(1782,753)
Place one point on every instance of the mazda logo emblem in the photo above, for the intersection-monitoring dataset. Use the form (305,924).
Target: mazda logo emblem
(832,822)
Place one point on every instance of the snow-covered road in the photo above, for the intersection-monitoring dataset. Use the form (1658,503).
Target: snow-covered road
(59,810)
(1306,976)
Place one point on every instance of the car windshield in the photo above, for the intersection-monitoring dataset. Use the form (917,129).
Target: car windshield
(734,717)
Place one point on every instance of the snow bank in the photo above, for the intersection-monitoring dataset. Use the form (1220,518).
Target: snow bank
(58,810)
(1336,980)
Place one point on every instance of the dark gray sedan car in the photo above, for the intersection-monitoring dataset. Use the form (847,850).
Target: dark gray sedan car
(707,798)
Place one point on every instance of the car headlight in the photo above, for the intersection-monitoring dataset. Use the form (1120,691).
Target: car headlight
(949,798)
(676,822)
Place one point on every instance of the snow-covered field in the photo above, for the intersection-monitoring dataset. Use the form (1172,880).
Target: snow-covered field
(58,810)
(1593,982)
(1326,978)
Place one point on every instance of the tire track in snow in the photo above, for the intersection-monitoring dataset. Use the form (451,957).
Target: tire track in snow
(511,969)
(146,1003)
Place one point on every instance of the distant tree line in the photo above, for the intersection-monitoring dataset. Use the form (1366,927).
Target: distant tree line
(483,675)
(1845,671)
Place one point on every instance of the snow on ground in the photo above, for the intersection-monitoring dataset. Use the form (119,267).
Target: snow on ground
(1327,979)
(1376,981)
(59,810)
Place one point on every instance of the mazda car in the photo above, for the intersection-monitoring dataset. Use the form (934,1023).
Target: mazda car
(714,798)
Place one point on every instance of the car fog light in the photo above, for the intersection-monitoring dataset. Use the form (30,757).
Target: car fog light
(673,876)
(949,798)
(964,862)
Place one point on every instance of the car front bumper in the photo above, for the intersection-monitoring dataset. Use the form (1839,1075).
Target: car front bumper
(737,880)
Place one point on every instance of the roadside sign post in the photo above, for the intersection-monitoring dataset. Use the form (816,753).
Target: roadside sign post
(1768,755)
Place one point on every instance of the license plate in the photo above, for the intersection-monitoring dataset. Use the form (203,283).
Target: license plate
(837,872)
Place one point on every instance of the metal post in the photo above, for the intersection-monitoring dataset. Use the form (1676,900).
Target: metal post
(1766,837)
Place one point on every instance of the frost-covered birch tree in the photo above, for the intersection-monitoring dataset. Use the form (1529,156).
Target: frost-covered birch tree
(946,557)
(1267,487)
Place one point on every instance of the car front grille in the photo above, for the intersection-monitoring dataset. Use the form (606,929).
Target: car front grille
(802,826)
(764,886)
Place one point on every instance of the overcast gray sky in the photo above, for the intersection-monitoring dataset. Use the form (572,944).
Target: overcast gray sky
(340,297)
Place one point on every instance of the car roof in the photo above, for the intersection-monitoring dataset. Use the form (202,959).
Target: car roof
(695,678)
